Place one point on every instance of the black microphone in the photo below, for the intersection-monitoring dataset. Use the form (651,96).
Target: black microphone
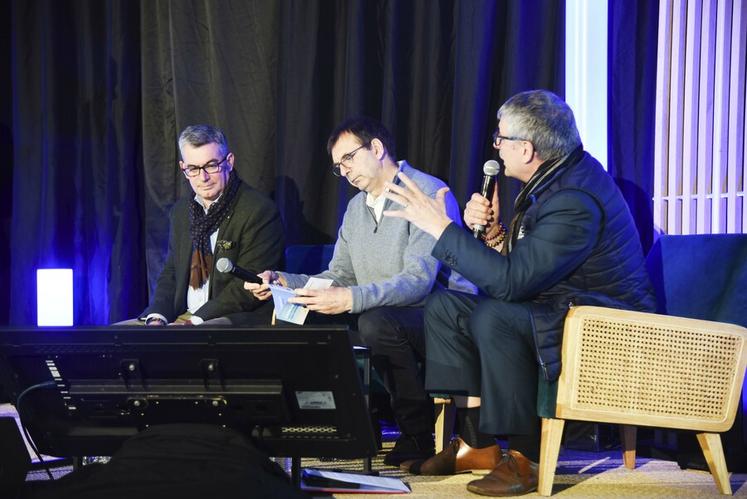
(224,265)
(490,169)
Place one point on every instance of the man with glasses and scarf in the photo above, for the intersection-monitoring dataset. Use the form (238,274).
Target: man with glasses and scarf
(572,241)
(382,270)
(224,218)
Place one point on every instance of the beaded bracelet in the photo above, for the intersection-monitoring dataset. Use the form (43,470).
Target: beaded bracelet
(498,238)
(496,242)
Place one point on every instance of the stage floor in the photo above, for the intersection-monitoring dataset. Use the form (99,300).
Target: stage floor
(579,475)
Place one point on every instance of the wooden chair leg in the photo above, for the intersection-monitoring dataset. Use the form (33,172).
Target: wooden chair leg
(445,416)
(552,431)
(710,443)
(628,440)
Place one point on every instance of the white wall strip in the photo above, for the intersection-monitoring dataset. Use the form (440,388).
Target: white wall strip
(586,72)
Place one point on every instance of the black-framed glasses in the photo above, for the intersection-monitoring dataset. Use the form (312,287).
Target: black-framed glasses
(211,167)
(346,158)
(497,139)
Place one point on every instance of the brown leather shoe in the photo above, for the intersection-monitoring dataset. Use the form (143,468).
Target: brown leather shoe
(456,458)
(515,475)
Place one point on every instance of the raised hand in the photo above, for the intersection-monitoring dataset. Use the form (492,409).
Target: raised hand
(427,213)
(480,211)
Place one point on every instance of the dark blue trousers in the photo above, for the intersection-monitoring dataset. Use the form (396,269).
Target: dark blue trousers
(483,347)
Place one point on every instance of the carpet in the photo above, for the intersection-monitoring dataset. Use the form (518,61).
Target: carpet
(579,475)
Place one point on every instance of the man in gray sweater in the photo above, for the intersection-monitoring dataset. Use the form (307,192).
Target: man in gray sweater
(382,270)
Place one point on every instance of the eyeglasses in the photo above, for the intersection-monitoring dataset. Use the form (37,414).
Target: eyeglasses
(347,158)
(211,167)
(497,139)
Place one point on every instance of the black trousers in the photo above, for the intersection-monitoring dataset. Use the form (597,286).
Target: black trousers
(395,336)
(483,347)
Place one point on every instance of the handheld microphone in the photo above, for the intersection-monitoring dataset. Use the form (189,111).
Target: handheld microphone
(491,168)
(226,266)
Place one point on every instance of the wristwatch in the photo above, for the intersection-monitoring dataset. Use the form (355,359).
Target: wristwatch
(154,319)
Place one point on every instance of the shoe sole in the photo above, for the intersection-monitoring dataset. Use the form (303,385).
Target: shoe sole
(484,492)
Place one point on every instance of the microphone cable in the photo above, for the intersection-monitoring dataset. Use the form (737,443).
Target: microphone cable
(46,384)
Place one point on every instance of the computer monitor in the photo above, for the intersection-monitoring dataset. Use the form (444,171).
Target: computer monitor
(295,391)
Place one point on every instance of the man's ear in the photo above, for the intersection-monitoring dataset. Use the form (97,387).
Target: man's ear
(377,146)
(230,160)
(528,152)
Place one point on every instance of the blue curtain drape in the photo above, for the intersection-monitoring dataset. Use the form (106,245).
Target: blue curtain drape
(633,37)
(76,198)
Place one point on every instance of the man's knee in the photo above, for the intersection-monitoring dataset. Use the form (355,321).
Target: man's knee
(447,309)
(372,324)
(498,320)
(435,303)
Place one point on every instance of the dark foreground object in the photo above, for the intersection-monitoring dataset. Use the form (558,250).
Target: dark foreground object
(185,461)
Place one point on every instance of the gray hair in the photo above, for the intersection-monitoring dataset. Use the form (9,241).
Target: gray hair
(199,135)
(544,119)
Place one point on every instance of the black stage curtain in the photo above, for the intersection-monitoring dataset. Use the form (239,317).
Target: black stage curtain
(100,90)
(6,158)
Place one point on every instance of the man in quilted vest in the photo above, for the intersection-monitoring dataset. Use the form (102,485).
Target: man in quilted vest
(572,240)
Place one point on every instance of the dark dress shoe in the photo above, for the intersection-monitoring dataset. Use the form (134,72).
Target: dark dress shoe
(410,447)
(515,475)
(456,458)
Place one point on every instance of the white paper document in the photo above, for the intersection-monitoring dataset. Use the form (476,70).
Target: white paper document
(293,312)
(351,483)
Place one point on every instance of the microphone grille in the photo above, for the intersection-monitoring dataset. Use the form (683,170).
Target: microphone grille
(491,168)
(224,265)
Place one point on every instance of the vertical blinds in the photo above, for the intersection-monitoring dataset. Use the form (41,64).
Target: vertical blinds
(700,136)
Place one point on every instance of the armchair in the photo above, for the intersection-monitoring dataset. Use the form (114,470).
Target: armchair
(682,370)
(644,369)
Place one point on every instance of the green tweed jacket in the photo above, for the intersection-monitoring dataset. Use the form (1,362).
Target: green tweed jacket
(251,237)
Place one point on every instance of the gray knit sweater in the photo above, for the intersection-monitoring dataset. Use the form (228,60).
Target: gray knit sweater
(388,263)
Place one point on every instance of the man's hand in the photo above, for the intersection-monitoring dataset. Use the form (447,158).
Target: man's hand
(325,301)
(262,291)
(481,211)
(428,214)
(181,322)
